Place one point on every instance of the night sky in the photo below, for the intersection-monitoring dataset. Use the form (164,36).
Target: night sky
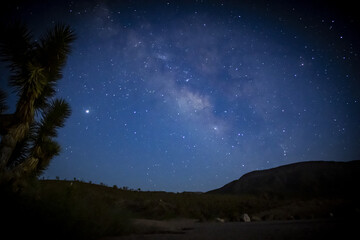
(190,95)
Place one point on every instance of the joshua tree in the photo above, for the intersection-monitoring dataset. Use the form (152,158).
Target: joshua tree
(27,144)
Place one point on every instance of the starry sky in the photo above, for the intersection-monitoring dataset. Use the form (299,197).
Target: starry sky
(190,95)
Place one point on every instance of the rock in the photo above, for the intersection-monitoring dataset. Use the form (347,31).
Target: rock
(245,218)
(221,220)
(255,218)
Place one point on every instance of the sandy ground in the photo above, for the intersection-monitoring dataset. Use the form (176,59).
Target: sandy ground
(290,230)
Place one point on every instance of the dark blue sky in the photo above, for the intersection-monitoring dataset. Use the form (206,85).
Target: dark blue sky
(176,96)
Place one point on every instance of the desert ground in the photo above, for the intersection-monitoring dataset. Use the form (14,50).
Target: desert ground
(266,230)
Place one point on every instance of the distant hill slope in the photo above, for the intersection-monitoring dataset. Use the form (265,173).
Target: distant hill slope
(303,179)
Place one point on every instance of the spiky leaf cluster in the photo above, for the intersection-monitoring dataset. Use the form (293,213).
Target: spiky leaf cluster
(28,145)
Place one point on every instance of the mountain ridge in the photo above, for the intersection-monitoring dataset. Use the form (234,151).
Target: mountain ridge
(301,179)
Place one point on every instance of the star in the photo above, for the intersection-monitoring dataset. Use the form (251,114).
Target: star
(224,81)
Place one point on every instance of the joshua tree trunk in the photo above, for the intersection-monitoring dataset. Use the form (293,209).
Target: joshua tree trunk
(9,141)
(25,115)
(6,121)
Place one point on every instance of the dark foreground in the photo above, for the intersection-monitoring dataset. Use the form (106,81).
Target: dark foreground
(269,230)
(78,210)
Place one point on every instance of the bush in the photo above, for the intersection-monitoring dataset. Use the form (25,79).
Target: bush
(62,211)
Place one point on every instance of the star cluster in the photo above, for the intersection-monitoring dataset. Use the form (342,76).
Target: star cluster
(177,96)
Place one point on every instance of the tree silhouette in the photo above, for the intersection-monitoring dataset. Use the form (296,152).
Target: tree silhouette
(27,143)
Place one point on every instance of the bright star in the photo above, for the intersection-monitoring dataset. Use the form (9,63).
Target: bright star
(87,111)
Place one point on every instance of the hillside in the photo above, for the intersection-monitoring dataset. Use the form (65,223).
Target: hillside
(79,210)
(299,180)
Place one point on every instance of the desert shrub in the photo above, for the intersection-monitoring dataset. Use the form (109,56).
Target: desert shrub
(65,210)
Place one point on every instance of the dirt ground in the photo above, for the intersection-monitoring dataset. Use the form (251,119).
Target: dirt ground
(270,230)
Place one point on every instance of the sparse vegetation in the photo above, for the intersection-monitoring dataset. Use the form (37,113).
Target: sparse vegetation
(64,210)
(75,209)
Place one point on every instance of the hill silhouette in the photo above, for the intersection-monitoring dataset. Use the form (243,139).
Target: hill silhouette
(79,210)
(313,179)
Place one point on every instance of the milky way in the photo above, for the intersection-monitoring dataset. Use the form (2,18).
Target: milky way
(189,96)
